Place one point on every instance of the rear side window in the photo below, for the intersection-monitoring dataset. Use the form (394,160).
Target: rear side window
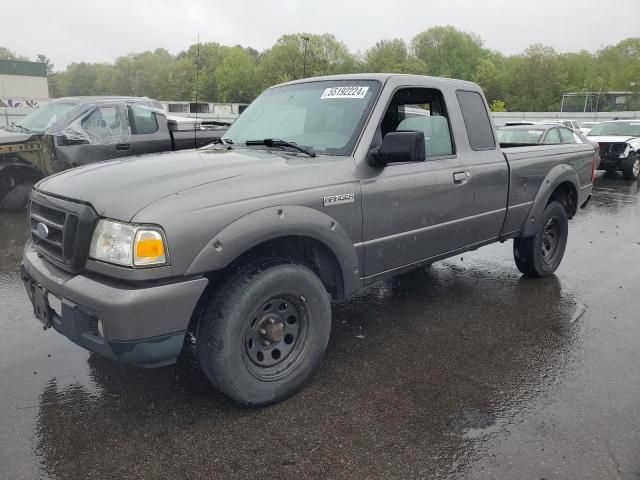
(143,121)
(476,120)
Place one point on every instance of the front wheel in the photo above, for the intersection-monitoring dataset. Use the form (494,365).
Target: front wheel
(263,334)
(631,170)
(540,255)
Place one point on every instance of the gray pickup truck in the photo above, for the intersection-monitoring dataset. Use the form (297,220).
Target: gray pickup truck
(321,187)
(73,131)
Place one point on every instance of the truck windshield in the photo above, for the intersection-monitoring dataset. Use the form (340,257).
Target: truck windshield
(325,117)
(622,129)
(42,118)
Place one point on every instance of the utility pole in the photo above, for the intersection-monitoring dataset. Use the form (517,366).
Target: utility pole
(304,68)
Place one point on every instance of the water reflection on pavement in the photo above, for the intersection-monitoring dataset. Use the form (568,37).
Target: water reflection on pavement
(465,370)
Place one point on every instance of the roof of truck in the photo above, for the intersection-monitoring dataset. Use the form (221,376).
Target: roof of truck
(100,98)
(381,77)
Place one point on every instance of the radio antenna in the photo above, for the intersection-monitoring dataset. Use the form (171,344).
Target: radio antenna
(195,127)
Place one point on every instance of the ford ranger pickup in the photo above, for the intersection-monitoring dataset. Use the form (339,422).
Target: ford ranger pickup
(321,187)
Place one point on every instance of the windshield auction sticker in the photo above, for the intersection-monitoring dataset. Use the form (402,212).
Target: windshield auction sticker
(344,92)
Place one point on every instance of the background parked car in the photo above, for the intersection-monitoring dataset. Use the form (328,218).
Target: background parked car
(69,132)
(585,127)
(619,142)
(538,134)
(572,124)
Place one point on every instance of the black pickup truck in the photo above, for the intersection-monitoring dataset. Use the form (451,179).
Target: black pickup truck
(74,131)
(321,187)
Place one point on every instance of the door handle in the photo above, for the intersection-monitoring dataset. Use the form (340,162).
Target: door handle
(123,146)
(460,177)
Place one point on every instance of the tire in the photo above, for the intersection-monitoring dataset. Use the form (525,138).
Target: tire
(631,170)
(264,333)
(540,255)
(17,198)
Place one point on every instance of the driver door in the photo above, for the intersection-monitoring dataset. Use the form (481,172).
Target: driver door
(101,134)
(416,211)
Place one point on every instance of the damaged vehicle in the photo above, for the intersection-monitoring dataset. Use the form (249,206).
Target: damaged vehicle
(320,188)
(619,142)
(74,131)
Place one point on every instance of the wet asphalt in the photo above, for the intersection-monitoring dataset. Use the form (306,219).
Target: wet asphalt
(466,370)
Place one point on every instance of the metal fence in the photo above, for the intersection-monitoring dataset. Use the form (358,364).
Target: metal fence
(500,118)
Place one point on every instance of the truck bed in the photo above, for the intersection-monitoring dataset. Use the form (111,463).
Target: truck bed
(529,167)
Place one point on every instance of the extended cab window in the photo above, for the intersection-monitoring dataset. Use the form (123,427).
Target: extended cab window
(420,109)
(143,121)
(476,120)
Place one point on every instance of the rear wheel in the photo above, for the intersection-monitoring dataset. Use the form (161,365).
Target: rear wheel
(631,170)
(540,255)
(261,337)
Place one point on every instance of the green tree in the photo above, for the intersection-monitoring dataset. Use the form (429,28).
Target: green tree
(392,56)
(498,106)
(538,80)
(236,77)
(78,79)
(448,52)
(285,60)
(6,54)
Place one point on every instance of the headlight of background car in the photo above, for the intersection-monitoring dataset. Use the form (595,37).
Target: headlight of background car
(129,245)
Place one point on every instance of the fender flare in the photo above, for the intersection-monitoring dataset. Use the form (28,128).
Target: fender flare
(559,174)
(13,162)
(275,222)
(12,165)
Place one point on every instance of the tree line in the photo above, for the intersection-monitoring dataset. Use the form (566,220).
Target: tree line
(531,81)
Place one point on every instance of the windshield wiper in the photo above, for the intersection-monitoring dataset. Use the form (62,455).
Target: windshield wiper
(24,129)
(276,142)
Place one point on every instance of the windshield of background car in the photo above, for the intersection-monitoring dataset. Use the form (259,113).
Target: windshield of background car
(45,116)
(624,129)
(519,135)
(326,117)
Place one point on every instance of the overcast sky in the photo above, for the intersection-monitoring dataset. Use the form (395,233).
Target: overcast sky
(83,30)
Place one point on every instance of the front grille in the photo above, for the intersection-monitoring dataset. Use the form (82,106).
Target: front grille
(612,150)
(61,230)
(57,237)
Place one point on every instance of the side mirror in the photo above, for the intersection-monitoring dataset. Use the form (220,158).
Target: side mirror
(63,140)
(398,147)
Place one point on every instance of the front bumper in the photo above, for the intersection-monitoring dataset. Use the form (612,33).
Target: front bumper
(608,162)
(143,326)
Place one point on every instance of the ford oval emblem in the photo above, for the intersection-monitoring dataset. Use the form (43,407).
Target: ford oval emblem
(42,230)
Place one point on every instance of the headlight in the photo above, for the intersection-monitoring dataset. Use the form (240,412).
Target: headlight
(127,244)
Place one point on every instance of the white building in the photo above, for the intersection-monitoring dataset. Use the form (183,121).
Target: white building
(22,83)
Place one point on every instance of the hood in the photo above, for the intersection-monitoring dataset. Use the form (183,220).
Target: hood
(7,137)
(610,138)
(120,188)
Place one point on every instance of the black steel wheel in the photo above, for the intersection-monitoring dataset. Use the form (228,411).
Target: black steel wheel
(276,336)
(550,239)
(540,255)
(263,333)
